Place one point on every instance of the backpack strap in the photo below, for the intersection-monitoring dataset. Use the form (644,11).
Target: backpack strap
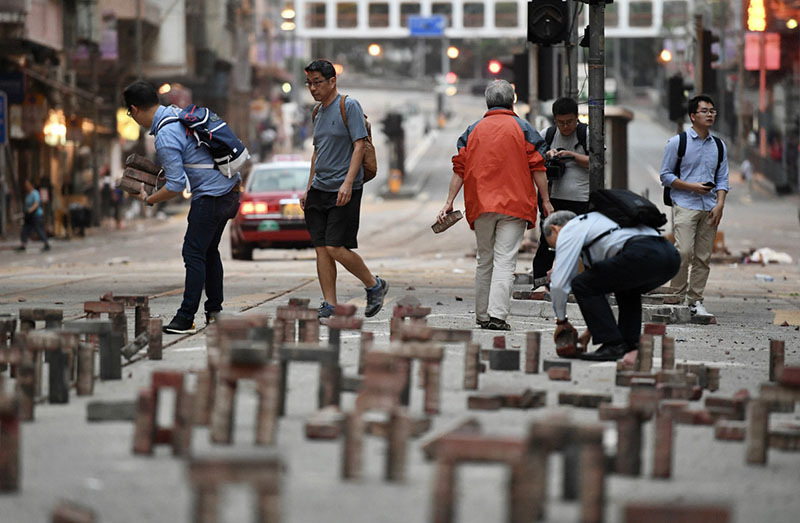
(549,134)
(344,112)
(681,153)
(720,152)
(583,131)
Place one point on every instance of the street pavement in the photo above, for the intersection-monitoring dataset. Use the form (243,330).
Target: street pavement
(65,457)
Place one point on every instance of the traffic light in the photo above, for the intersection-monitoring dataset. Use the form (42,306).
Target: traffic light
(521,76)
(677,97)
(548,21)
(709,60)
(495,67)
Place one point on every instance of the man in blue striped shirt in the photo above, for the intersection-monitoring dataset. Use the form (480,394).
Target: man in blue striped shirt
(215,200)
(698,190)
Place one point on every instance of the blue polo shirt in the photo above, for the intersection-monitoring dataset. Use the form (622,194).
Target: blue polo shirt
(176,149)
(698,166)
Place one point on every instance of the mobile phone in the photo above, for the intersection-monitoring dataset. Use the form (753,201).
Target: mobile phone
(710,184)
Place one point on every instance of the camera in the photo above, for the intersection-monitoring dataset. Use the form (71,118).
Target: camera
(555,167)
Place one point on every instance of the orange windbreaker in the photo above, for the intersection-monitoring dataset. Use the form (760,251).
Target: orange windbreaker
(497,156)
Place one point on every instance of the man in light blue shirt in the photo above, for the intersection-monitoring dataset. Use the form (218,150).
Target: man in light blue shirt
(215,200)
(33,218)
(627,261)
(699,185)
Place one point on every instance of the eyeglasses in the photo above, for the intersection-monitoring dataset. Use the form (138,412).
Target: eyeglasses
(712,112)
(316,83)
(565,123)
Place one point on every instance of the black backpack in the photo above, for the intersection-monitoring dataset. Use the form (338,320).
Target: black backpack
(681,153)
(626,208)
(582,129)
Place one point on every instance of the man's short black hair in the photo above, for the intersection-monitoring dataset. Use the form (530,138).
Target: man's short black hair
(565,106)
(142,94)
(694,102)
(323,67)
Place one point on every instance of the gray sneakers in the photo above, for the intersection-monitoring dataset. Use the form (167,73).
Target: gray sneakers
(375,297)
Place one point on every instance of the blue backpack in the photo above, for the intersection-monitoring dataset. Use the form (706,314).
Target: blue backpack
(208,129)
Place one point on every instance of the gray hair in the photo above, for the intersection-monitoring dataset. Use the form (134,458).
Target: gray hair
(499,94)
(557,218)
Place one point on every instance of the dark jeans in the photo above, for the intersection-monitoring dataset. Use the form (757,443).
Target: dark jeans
(207,219)
(33,223)
(543,260)
(642,265)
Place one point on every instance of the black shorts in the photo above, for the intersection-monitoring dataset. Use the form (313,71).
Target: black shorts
(329,225)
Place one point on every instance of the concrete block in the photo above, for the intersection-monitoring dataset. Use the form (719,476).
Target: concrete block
(122,410)
(504,359)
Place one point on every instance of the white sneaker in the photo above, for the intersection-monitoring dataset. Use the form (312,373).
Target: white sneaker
(697,309)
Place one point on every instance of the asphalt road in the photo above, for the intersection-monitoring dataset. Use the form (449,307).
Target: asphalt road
(64,457)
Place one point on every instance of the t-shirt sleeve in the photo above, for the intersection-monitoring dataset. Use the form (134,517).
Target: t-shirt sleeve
(355,120)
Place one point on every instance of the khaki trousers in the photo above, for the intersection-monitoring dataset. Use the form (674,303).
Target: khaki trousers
(694,240)
(498,237)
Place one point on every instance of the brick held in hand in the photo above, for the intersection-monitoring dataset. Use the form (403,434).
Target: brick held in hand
(449,220)
(131,186)
(138,161)
(141,176)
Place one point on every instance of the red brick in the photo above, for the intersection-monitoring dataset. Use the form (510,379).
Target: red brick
(655,329)
(790,377)
(484,402)
(670,513)
(103,307)
(730,430)
(558,374)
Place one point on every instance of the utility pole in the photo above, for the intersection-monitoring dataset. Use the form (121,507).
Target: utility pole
(698,63)
(572,53)
(533,81)
(597,96)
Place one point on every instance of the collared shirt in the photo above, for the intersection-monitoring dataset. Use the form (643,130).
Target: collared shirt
(175,149)
(698,166)
(578,232)
(497,157)
(31,198)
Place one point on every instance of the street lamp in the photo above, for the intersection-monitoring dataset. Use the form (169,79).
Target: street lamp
(374,50)
(452,52)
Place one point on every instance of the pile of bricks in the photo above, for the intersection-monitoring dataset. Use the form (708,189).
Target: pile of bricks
(141,172)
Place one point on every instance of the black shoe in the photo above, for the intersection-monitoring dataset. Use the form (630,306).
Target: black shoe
(46,248)
(375,297)
(211,317)
(607,352)
(483,324)
(179,325)
(496,324)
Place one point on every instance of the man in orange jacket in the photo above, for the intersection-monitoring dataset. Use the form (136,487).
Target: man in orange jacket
(500,164)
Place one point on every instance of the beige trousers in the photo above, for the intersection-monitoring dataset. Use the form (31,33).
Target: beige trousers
(498,237)
(694,239)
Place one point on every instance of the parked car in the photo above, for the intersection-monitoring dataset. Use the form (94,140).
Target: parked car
(270,215)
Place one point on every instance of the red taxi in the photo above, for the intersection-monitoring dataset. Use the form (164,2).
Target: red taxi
(270,215)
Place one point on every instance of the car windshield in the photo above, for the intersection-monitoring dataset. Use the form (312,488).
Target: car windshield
(279,179)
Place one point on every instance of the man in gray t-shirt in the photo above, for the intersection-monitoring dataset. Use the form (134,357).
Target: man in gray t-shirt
(570,192)
(332,201)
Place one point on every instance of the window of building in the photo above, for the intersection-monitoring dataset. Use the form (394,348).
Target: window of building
(641,14)
(407,10)
(611,16)
(379,15)
(676,13)
(315,14)
(445,10)
(473,14)
(505,14)
(346,15)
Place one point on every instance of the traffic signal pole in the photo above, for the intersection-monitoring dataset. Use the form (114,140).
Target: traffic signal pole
(597,95)
(533,81)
